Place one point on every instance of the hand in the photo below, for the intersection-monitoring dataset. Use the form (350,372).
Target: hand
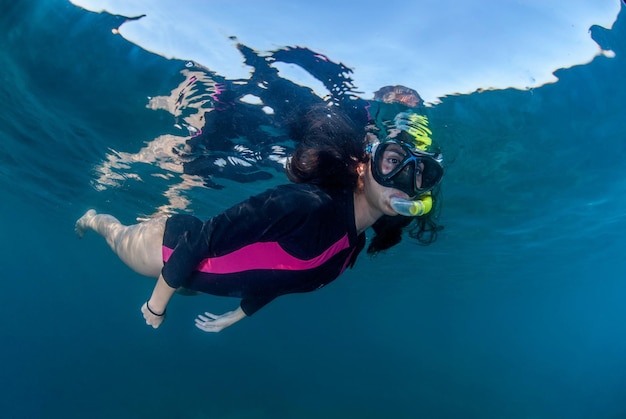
(151,319)
(214,323)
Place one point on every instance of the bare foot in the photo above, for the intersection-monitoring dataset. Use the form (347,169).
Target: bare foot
(82,225)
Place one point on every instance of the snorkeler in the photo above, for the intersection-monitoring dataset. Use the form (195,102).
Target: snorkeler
(293,238)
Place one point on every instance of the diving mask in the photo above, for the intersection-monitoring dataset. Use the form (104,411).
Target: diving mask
(395,164)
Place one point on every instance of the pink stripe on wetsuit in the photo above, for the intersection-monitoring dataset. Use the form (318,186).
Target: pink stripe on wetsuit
(263,255)
(291,239)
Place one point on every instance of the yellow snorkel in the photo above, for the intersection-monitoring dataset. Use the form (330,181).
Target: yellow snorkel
(412,208)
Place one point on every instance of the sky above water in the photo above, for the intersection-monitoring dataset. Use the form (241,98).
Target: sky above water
(439,47)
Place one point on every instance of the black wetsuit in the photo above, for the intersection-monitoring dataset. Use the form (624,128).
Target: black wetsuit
(293,238)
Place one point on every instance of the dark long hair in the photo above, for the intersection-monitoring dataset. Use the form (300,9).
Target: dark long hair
(330,148)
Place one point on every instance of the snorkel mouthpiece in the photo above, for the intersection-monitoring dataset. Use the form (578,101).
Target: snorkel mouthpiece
(410,208)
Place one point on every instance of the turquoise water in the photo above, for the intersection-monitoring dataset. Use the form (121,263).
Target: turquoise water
(516,311)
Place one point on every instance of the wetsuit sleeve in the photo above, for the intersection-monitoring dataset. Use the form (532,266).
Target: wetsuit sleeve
(265,217)
(252,304)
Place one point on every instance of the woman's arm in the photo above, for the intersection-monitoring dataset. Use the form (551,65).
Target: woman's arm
(154,309)
(213,323)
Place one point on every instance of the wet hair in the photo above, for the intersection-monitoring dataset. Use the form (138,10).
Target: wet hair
(330,148)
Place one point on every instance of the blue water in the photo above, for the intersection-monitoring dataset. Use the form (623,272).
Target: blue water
(517,311)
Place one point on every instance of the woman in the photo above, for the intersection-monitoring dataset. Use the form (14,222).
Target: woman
(293,238)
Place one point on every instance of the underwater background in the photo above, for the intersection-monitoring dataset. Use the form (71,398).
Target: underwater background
(516,311)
